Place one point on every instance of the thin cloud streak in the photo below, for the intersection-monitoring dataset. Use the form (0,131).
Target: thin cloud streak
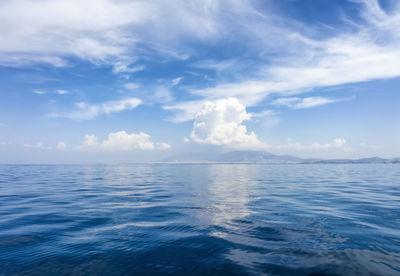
(301,103)
(87,111)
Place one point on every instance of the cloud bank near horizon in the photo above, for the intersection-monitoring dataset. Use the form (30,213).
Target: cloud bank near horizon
(122,141)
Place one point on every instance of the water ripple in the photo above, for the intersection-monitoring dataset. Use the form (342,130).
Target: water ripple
(230,219)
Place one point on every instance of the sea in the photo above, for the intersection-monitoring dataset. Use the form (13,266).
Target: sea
(200,219)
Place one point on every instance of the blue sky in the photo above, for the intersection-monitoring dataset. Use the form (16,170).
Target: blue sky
(128,81)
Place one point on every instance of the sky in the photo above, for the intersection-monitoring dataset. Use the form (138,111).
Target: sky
(106,81)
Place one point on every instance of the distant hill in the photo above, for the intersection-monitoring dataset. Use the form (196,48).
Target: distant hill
(268,158)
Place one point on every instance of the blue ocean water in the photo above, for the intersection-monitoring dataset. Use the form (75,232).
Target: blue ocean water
(196,219)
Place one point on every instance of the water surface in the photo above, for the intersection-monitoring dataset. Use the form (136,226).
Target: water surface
(219,219)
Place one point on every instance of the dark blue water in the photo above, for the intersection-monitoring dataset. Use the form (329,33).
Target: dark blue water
(200,219)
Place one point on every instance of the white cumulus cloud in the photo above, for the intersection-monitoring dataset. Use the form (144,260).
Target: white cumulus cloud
(220,123)
(122,141)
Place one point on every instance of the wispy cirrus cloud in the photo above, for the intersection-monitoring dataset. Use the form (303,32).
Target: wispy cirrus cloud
(336,62)
(176,81)
(115,33)
(107,32)
(85,111)
(301,103)
(42,91)
(184,111)
(370,50)
(58,29)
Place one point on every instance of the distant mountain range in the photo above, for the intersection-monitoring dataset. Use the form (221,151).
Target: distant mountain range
(269,158)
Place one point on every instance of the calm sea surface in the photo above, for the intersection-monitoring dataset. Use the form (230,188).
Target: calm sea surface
(224,219)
